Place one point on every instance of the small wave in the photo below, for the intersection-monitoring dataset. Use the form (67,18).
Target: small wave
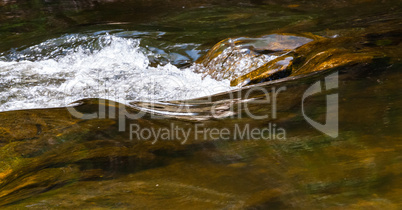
(60,71)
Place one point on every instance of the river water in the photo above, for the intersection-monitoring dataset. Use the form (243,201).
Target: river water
(60,71)
(144,104)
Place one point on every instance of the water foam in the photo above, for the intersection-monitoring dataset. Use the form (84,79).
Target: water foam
(60,71)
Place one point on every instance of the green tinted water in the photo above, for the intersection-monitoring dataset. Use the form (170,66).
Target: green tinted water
(52,159)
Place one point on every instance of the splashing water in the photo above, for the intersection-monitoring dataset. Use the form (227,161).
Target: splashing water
(60,71)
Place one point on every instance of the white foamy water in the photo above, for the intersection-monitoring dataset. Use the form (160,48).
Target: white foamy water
(60,71)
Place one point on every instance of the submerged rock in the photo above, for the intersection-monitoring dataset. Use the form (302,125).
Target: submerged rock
(253,60)
(232,58)
(44,149)
(50,158)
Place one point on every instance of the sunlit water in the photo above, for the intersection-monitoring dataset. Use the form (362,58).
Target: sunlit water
(52,159)
(60,71)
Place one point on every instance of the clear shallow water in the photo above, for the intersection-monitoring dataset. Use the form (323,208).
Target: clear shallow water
(49,158)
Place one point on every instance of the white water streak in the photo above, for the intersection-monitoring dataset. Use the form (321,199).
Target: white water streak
(114,68)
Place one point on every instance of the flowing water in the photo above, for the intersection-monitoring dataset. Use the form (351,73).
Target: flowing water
(60,71)
(214,104)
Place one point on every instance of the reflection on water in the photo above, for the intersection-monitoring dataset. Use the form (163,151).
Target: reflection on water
(54,157)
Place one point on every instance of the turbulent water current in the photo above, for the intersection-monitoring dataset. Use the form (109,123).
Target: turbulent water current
(62,70)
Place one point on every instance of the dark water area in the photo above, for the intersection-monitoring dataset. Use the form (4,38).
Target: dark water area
(301,105)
